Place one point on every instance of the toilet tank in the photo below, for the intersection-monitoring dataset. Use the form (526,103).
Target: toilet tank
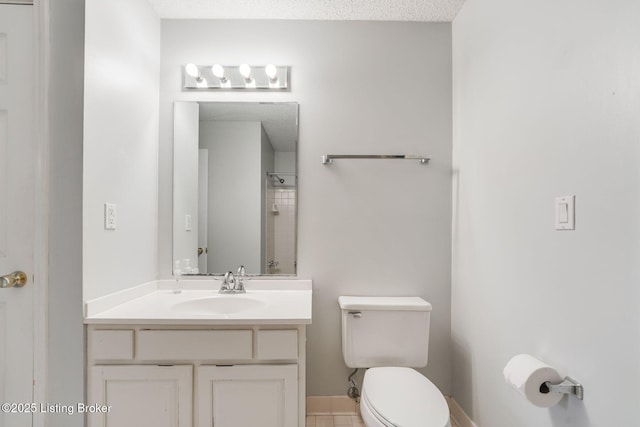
(385,331)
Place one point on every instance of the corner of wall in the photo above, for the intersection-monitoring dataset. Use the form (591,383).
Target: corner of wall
(121,140)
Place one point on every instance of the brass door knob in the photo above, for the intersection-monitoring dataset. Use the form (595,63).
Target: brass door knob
(17,279)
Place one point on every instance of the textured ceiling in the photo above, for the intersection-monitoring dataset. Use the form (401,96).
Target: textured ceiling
(366,10)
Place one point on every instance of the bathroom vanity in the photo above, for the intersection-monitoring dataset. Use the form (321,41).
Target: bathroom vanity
(197,357)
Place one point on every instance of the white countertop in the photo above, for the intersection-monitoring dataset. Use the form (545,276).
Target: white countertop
(286,301)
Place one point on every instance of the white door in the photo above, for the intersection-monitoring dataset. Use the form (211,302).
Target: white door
(16,209)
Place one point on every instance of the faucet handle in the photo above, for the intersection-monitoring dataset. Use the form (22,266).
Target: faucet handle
(239,285)
(227,283)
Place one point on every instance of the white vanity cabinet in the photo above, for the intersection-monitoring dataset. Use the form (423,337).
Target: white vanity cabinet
(200,376)
(247,395)
(159,396)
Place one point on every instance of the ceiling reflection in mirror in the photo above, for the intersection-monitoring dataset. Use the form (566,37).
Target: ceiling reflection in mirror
(235,187)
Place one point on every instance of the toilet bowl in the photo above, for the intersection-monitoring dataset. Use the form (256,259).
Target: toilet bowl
(390,336)
(396,396)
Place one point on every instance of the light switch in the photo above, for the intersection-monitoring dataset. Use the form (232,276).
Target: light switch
(187,222)
(565,213)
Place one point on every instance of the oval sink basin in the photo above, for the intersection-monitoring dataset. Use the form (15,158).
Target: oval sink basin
(219,305)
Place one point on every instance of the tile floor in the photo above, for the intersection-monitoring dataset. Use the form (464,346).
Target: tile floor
(334,421)
(340,421)
(338,411)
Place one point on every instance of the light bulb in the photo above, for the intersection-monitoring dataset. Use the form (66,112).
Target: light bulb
(272,72)
(192,70)
(218,71)
(245,71)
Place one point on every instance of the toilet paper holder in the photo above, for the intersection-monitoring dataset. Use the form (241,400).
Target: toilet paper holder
(568,386)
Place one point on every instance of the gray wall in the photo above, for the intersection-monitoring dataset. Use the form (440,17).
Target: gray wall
(122,57)
(546,104)
(65,382)
(285,161)
(235,183)
(365,227)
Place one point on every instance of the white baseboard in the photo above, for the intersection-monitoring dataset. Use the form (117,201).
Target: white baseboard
(458,415)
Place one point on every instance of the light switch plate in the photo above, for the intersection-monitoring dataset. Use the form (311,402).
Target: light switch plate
(110,216)
(565,212)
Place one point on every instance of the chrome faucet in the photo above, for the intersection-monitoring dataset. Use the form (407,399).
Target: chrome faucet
(228,284)
(231,285)
(239,288)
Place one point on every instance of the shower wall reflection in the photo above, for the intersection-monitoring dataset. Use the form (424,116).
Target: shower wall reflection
(280,211)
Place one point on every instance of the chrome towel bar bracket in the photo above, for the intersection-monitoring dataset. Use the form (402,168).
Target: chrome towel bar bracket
(327,159)
(568,386)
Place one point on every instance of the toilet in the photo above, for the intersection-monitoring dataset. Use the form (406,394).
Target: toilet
(390,336)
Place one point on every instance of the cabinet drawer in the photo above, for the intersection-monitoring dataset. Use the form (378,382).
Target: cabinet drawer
(198,345)
(112,345)
(273,345)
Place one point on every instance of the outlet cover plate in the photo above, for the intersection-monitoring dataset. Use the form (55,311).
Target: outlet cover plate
(565,213)
(110,216)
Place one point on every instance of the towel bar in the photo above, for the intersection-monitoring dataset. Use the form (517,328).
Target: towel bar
(327,159)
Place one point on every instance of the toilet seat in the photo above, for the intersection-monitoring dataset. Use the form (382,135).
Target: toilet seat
(395,396)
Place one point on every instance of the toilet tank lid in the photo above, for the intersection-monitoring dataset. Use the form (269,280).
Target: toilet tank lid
(383,303)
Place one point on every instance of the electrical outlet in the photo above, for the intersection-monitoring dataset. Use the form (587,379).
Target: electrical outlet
(110,216)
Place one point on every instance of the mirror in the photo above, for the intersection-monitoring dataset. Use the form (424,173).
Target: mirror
(235,187)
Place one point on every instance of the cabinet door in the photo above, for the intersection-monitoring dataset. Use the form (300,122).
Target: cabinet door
(247,396)
(142,396)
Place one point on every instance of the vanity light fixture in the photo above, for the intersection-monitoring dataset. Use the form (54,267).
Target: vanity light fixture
(272,72)
(218,71)
(193,72)
(229,77)
(245,72)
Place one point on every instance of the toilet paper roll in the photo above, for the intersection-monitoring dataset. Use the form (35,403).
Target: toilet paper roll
(526,374)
